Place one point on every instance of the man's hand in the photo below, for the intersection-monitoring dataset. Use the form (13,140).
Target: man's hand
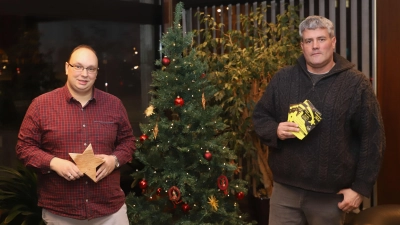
(351,200)
(106,168)
(285,130)
(65,169)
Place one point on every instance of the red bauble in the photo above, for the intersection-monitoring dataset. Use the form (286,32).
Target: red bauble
(179,101)
(240,195)
(143,184)
(159,191)
(143,137)
(208,155)
(165,61)
(203,75)
(185,207)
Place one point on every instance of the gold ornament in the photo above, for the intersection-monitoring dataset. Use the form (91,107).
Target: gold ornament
(238,168)
(213,202)
(155,131)
(149,111)
(203,101)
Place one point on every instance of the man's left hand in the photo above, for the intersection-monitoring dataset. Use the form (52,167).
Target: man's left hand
(106,168)
(351,200)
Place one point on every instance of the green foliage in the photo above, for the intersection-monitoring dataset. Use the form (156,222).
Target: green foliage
(18,197)
(174,156)
(240,64)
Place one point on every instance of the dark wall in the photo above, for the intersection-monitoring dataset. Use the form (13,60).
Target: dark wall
(388,81)
(107,10)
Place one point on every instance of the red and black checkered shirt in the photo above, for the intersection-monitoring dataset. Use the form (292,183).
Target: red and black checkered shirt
(55,125)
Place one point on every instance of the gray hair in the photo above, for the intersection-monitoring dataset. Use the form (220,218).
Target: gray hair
(314,22)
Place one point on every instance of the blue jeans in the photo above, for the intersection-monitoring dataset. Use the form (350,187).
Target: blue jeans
(295,206)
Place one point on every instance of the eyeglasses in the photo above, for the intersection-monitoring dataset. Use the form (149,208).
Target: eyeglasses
(90,70)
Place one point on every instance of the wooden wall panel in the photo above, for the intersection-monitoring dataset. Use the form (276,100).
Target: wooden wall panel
(388,90)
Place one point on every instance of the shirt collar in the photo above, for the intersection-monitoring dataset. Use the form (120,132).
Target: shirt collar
(68,96)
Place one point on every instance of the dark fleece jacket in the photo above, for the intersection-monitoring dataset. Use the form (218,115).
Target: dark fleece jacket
(344,150)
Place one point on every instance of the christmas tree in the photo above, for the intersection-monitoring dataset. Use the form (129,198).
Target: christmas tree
(188,171)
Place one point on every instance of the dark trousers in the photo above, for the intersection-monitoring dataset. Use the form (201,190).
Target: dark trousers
(295,206)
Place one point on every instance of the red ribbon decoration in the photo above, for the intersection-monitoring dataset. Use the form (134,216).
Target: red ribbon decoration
(174,195)
(223,183)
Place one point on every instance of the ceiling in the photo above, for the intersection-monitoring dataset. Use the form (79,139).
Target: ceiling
(202,3)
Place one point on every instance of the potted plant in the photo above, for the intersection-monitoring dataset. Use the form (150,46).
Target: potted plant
(241,63)
(18,196)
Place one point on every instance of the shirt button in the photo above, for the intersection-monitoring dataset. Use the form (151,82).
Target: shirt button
(87,200)
(86,182)
(49,171)
(84,125)
(84,144)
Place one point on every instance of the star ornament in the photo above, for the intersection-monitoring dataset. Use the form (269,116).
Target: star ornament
(213,202)
(149,111)
(87,162)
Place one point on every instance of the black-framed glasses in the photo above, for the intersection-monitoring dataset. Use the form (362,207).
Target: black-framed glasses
(90,70)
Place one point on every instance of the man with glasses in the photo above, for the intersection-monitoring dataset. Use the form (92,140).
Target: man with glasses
(69,120)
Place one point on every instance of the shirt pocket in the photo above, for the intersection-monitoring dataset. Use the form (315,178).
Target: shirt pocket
(106,135)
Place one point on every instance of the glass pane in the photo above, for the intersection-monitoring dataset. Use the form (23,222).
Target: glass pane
(33,53)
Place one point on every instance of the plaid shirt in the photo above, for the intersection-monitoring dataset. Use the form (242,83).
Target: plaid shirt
(55,125)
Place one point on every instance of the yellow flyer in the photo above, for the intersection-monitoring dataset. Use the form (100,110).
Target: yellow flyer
(306,116)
